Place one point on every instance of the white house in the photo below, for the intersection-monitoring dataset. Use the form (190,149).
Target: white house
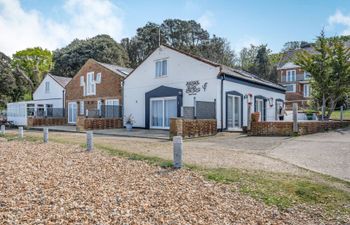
(48,100)
(171,83)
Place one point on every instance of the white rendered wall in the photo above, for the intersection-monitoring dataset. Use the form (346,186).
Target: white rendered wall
(245,89)
(181,68)
(54,92)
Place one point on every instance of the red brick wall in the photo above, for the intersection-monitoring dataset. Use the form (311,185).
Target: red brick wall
(189,128)
(31,121)
(282,128)
(98,123)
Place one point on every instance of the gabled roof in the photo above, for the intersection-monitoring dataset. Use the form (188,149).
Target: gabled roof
(123,71)
(63,81)
(226,70)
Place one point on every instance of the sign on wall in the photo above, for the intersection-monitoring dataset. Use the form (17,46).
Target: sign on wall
(193,87)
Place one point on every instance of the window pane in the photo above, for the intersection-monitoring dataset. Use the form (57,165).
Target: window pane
(164,68)
(237,111)
(170,111)
(230,112)
(157,113)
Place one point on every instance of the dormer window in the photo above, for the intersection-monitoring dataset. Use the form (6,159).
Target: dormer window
(291,75)
(161,68)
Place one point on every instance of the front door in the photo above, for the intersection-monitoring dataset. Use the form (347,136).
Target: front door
(162,109)
(72,112)
(234,110)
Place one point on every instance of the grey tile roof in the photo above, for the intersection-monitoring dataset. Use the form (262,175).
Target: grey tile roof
(231,71)
(117,69)
(63,81)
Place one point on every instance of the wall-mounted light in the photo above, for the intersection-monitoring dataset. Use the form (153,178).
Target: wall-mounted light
(249,98)
(270,101)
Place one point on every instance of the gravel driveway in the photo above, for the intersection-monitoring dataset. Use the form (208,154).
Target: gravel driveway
(62,184)
(327,153)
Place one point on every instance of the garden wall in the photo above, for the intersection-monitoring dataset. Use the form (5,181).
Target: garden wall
(98,123)
(281,128)
(190,128)
(32,121)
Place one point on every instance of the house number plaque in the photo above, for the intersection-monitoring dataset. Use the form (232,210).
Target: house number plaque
(193,87)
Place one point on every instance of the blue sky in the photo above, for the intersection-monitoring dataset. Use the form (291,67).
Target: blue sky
(52,24)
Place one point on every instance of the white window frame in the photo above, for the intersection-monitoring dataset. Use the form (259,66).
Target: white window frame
(294,87)
(261,101)
(81,108)
(306,89)
(90,84)
(163,99)
(98,78)
(82,83)
(47,87)
(293,74)
(159,70)
(305,74)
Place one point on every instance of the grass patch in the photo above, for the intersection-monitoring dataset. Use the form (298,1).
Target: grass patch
(336,115)
(283,190)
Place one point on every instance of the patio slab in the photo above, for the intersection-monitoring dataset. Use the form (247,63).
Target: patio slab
(122,132)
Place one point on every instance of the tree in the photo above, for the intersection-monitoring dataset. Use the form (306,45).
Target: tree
(34,62)
(262,66)
(184,35)
(68,60)
(7,80)
(330,72)
(293,45)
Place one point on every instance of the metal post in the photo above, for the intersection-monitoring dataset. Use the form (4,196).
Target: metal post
(178,149)
(89,141)
(3,129)
(295,118)
(20,132)
(341,113)
(46,134)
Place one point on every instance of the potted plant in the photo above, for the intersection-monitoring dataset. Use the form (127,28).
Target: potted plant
(129,121)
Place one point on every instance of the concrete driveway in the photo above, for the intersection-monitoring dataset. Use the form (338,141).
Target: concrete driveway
(327,153)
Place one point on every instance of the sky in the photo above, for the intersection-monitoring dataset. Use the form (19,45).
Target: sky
(53,24)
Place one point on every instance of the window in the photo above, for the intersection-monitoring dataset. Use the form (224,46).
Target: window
(307,76)
(47,86)
(291,75)
(30,109)
(161,68)
(91,85)
(98,78)
(81,108)
(290,87)
(82,81)
(306,90)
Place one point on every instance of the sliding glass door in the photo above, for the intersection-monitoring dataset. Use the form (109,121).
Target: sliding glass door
(162,109)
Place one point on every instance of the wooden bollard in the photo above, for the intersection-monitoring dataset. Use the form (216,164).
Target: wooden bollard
(3,129)
(20,132)
(89,141)
(178,149)
(46,134)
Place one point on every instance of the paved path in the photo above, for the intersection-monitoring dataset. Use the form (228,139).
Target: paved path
(327,153)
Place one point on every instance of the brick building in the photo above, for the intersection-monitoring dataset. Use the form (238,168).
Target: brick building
(96,88)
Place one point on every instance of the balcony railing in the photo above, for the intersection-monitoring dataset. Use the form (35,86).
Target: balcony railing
(105,111)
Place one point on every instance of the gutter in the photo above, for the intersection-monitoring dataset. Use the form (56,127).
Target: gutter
(221,100)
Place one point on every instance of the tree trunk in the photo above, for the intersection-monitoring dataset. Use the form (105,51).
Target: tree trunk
(323,106)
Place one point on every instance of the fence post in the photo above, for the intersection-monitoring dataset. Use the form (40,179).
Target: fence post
(89,141)
(20,132)
(46,134)
(3,129)
(341,113)
(177,148)
(295,118)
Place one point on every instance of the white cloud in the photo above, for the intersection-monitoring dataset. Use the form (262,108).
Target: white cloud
(207,20)
(20,29)
(340,19)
